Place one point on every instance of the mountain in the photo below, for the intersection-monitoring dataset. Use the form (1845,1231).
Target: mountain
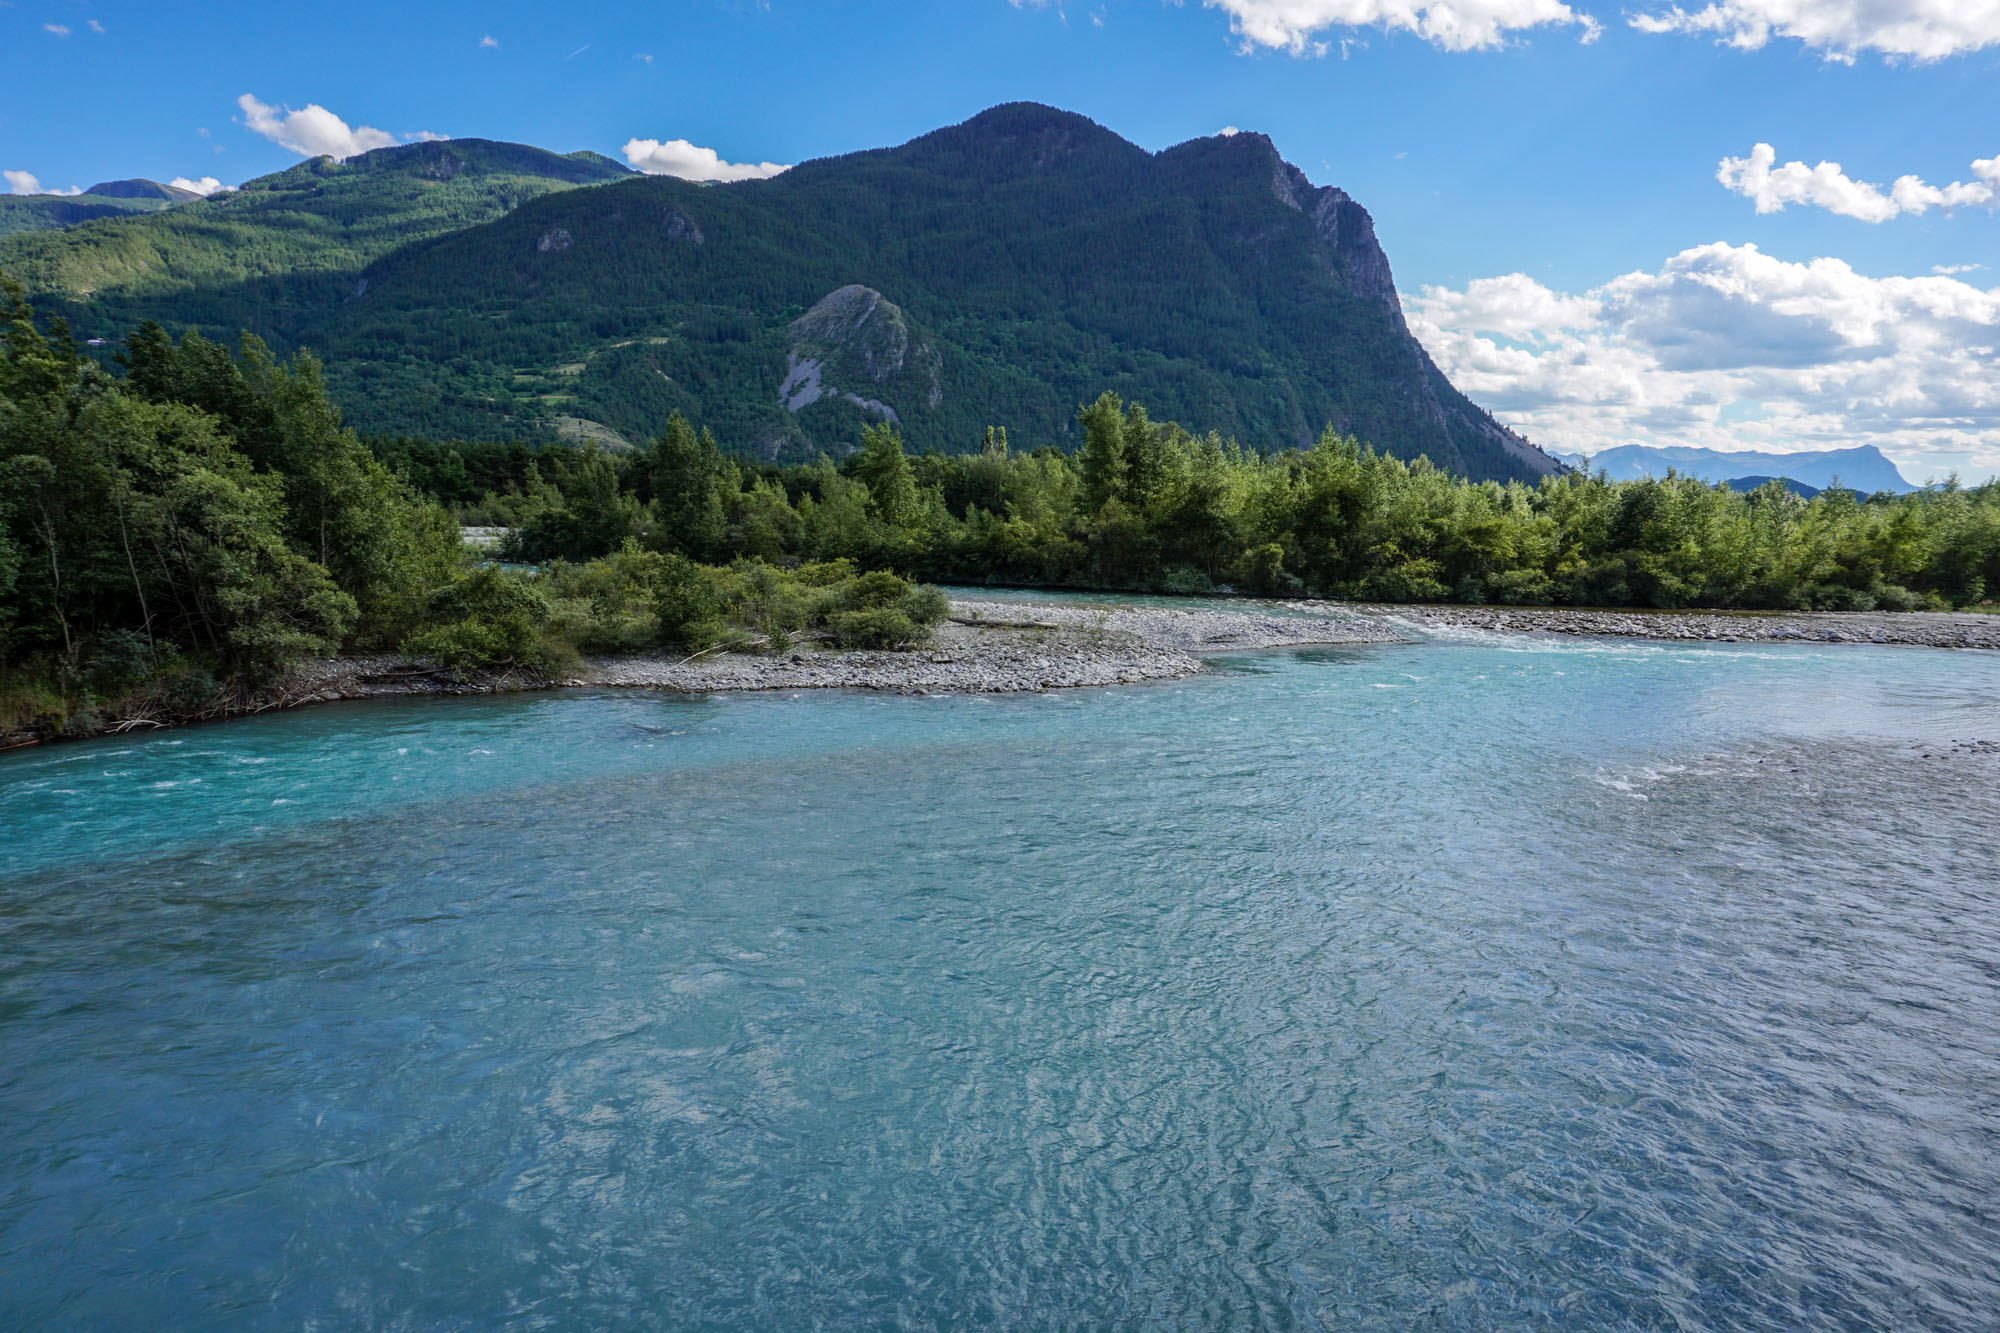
(279,252)
(141,188)
(997,272)
(52,212)
(106,199)
(1862,468)
(1744,485)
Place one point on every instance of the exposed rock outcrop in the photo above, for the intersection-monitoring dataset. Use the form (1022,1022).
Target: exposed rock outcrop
(852,340)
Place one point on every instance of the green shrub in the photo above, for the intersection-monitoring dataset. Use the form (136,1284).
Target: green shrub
(687,606)
(609,605)
(873,591)
(121,660)
(486,619)
(1185,581)
(876,627)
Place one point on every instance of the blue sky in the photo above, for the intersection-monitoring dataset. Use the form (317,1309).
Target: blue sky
(1550,204)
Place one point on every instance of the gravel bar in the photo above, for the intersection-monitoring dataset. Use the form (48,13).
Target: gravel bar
(985,648)
(1922,629)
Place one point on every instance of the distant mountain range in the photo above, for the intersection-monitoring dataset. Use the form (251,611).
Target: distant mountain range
(1862,468)
(997,272)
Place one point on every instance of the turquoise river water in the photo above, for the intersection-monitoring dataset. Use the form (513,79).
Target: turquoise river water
(1479,983)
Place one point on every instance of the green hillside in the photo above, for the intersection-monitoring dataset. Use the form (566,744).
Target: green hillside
(52,212)
(997,272)
(281,251)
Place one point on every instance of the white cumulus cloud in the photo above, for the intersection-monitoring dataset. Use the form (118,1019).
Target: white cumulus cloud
(678,157)
(1840,29)
(1771,187)
(489,43)
(1727,347)
(207,185)
(27,182)
(1455,25)
(312,130)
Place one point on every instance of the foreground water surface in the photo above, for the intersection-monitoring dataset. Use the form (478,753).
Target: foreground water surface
(1482,982)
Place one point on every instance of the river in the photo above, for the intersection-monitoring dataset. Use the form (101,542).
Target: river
(1472,983)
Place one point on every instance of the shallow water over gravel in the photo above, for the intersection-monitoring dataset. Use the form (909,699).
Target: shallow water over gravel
(1484,982)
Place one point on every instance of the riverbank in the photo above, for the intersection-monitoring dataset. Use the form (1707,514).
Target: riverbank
(985,648)
(1919,629)
(1018,646)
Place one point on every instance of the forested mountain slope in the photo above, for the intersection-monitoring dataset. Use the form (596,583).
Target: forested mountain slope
(110,199)
(284,250)
(998,272)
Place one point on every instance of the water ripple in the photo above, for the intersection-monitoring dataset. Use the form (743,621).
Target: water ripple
(1266,999)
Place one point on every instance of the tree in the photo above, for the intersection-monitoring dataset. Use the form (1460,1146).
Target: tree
(1102,458)
(882,468)
(684,469)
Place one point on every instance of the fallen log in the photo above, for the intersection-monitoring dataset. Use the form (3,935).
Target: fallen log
(979,622)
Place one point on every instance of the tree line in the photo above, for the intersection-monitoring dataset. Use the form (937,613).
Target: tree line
(1147,506)
(177,533)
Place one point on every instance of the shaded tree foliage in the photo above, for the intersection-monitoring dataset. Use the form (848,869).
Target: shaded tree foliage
(1146,505)
(206,519)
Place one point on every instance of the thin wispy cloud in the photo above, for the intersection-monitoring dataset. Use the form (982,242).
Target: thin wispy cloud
(489,43)
(59,29)
(579,51)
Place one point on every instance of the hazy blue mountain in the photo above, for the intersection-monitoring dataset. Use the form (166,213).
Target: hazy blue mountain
(1862,468)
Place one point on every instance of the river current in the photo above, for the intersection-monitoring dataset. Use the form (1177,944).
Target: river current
(1480,983)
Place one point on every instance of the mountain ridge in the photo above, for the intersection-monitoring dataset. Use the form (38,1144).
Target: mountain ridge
(1862,467)
(1040,258)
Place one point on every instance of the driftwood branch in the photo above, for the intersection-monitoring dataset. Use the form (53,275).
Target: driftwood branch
(978,622)
(714,648)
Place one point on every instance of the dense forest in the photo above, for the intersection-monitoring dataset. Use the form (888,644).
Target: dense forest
(174,538)
(176,535)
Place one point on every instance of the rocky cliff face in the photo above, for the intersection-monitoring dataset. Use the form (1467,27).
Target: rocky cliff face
(853,343)
(1348,233)
(1343,246)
